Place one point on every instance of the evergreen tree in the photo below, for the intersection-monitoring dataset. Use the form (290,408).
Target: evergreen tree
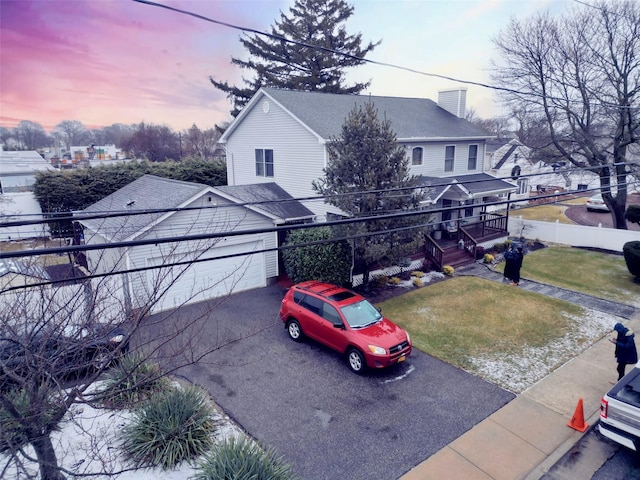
(281,64)
(368,175)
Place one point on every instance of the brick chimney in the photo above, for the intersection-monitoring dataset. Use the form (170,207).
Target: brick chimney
(454,101)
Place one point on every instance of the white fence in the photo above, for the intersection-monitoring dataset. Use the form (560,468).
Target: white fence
(574,235)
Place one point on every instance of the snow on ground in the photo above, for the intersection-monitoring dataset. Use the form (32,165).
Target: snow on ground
(88,442)
(517,372)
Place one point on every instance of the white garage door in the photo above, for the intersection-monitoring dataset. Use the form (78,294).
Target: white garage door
(211,278)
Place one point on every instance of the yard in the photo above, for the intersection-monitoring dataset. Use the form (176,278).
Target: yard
(509,336)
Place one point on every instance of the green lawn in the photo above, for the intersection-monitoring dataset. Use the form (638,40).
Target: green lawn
(544,213)
(508,335)
(574,269)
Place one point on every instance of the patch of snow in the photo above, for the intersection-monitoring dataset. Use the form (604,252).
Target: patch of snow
(88,443)
(518,371)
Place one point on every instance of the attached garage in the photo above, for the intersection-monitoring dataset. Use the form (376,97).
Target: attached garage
(206,279)
(191,270)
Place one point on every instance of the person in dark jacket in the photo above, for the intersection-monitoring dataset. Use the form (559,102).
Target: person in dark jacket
(509,256)
(626,353)
(518,256)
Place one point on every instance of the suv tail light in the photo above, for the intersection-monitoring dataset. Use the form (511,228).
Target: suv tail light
(604,407)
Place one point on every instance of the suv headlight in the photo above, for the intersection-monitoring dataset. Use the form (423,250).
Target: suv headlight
(377,350)
(117,338)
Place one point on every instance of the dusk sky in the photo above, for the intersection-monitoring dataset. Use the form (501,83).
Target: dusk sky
(119,61)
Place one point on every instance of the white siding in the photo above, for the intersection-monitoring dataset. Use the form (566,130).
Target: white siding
(433,158)
(216,215)
(298,156)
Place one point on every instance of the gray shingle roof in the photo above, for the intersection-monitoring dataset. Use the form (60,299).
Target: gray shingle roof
(152,192)
(418,118)
(477,184)
(279,203)
(147,192)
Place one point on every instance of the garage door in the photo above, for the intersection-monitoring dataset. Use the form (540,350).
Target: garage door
(211,278)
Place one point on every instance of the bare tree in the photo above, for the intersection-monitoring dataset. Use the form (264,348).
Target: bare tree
(31,135)
(498,126)
(156,143)
(200,143)
(48,332)
(72,132)
(581,74)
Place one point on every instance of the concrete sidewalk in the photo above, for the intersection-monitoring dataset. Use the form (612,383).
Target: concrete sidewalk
(526,437)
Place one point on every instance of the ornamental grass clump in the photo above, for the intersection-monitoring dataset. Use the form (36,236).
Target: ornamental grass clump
(448,270)
(132,381)
(175,425)
(243,459)
(488,258)
(417,281)
(417,273)
(394,281)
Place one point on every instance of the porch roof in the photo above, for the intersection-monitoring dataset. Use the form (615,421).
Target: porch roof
(470,186)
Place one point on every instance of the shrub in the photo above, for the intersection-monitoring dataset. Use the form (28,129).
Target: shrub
(417,273)
(327,261)
(631,252)
(173,426)
(243,459)
(394,281)
(488,258)
(381,280)
(13,432)
(633,214)
(448,270)
(132,381)
(12,435)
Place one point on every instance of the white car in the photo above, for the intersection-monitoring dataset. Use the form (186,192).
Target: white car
(596,204)
(620,411)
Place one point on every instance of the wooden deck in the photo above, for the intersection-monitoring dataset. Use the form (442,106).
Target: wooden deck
(461,247)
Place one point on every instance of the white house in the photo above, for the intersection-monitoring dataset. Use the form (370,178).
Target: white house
(17,202)
(281,136)
(155,208)
(513,160)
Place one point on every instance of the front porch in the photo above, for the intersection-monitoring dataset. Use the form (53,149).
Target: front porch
(457,242)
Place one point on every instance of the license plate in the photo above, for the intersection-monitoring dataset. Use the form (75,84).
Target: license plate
(402,358)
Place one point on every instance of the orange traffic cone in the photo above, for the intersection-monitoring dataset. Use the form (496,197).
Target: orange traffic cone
(577,421)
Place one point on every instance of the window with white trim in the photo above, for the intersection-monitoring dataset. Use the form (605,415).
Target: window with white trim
(473,157)
(416,156)
(523,186)
(449,157)
(264,162)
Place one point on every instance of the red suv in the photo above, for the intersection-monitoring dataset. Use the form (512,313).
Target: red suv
(346,322)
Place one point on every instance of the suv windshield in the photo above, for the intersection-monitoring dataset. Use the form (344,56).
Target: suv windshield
(361,314)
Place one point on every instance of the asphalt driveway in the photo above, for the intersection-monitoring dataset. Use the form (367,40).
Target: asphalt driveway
(329,423)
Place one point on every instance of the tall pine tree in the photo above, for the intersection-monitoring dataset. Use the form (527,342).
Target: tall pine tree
(367,175)
(280,64)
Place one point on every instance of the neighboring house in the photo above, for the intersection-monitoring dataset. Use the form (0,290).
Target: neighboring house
(214,267)
(15,273)
(513,160)
(17,176)
(281,136)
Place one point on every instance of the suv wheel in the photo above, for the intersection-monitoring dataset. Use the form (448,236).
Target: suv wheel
(356,361)
(294,330)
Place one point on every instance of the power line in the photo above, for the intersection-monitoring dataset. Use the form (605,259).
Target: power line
(446,181)
(362,59)
(287,228)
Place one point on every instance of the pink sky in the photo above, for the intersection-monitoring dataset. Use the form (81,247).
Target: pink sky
(118,61)
(104,62)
